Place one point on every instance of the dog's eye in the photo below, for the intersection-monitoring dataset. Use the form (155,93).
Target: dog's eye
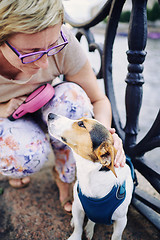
(81,124)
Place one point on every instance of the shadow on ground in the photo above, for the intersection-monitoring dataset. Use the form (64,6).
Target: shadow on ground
(34,213)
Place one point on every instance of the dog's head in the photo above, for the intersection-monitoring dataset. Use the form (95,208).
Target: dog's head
(87,137)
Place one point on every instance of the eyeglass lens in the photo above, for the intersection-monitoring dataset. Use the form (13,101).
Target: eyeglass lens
(37,56)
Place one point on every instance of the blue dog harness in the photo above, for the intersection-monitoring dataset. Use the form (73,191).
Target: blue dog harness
(100,210)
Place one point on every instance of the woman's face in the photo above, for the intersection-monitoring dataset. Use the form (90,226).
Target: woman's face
(28,43)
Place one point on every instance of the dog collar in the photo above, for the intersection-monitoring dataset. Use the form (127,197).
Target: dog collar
(100,210)
(104,169)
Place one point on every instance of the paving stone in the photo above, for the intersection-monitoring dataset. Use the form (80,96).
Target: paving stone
(35,213)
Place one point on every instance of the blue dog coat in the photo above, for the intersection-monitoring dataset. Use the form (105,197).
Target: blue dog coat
(100,210)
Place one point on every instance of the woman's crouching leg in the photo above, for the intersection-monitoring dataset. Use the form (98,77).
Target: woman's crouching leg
(24,148)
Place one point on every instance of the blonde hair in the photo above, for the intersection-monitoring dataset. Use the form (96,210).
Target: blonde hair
(28,16)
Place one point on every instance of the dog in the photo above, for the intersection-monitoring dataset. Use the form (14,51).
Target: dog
(101,192)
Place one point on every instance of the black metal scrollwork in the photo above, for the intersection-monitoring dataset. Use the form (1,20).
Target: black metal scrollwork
(137,39)
(92,46)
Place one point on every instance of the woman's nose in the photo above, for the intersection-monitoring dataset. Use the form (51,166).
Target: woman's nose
(42,62)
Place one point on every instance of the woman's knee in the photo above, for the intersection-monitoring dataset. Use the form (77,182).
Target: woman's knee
(23,147)
(70,100)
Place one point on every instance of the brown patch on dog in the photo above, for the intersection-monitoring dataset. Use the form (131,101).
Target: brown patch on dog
(79,139)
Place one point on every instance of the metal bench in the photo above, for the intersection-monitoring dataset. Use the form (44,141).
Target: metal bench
(145,203)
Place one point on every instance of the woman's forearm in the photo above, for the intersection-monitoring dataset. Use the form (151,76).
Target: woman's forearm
(102,111)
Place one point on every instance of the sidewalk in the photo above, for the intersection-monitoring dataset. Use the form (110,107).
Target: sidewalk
(34,213)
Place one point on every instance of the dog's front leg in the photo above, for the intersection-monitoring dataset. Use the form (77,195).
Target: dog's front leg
(77,217)
(118,228)
(77,222)
(89,229)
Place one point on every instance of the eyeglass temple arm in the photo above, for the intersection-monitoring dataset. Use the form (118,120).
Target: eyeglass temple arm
(14,50)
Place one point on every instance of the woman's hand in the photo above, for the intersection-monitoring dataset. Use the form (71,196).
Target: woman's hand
(6,109)
(120,156)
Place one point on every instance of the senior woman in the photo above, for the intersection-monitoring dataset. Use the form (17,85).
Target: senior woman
(36,48)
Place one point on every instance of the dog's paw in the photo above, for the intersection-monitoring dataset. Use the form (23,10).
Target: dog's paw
(72,223)
(89,229)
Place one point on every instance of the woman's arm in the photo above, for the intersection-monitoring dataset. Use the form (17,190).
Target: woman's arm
(101,105)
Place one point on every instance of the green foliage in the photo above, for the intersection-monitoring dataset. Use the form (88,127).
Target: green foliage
(125,16)
(153,14)
(1,190)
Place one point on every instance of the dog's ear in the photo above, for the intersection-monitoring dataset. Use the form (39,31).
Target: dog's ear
(106,153)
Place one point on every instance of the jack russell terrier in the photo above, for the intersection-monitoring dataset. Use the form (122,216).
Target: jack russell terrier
(101,192)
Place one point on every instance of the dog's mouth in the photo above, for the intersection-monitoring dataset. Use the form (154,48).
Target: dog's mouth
(52,131)
(50,128)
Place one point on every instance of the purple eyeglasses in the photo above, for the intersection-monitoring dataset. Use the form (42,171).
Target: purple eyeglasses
(32,57)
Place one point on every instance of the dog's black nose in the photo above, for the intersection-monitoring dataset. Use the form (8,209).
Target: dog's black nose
(51,116)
